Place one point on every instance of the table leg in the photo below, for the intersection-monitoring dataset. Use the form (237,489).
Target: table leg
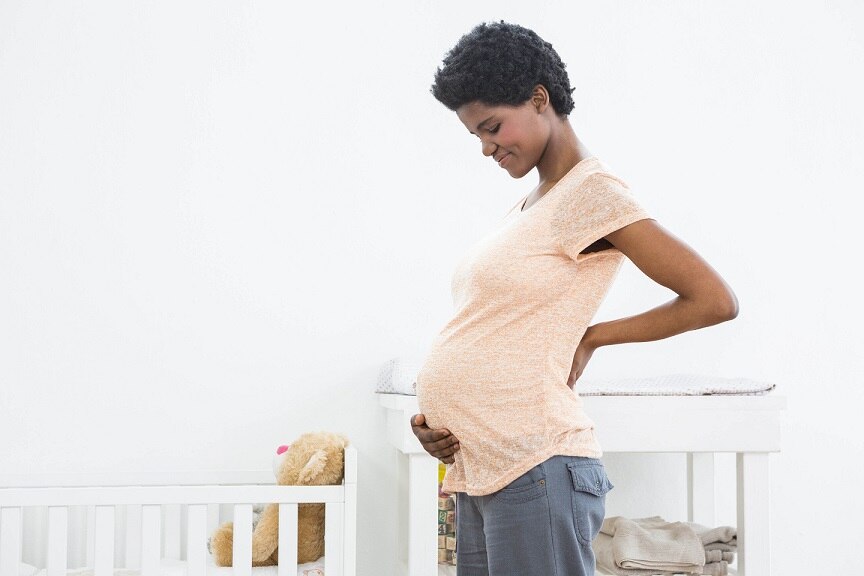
(422,515)
(753,514)
(700,488)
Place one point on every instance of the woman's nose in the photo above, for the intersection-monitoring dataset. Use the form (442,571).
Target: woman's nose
(489,148)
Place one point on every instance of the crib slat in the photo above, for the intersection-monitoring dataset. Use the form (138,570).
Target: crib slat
(151,539)
(333,536)
(196,539)
(287,540)
(132,557)
(120,536)
(76,535)
(89,532)
(58,526)
(171,531)
(349,560)
(104,541)
(10,541)
(242,553)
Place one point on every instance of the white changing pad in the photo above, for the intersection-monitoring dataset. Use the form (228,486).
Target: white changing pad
(673,385)
(178,568)
(399,376)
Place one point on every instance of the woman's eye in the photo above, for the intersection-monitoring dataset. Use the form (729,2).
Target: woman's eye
(495,129)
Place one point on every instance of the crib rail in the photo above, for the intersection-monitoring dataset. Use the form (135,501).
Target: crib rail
(137,526)
(127,495)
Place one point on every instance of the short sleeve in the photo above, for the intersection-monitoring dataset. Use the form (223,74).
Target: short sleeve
(597,206)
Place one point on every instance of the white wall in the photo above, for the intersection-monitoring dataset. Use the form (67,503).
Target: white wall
(218,219)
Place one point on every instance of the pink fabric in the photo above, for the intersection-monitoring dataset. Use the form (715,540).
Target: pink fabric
(496,375)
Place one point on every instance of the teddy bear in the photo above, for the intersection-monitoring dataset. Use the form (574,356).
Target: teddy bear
(313,459)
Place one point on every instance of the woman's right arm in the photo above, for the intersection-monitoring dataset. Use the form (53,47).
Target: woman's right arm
(439,443)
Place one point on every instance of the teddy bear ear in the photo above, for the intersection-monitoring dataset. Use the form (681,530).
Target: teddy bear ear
(313,468)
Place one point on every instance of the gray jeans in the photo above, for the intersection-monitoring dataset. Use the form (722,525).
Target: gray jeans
(542,523)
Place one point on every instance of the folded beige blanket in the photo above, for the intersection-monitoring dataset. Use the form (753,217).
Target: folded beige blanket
(716,569)
(647,546)
(654,544)
(605,559)
(723,535)
(719,555)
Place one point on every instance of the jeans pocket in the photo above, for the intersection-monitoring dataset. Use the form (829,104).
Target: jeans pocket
(590,485)
(524,489)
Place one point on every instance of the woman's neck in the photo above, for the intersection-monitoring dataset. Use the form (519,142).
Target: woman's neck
(563,151)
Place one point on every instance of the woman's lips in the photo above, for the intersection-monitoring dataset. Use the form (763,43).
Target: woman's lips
(503,160)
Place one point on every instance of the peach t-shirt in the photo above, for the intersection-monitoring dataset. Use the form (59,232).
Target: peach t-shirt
(496,375)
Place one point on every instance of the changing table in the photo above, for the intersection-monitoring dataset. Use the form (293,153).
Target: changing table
(748,425)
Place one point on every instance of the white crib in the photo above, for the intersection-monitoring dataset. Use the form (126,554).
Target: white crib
(154,527)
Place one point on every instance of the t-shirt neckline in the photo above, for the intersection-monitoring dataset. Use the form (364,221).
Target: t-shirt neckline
(554,186)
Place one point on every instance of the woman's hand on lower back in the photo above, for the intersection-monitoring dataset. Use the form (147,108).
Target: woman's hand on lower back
(439,443)
(580,359)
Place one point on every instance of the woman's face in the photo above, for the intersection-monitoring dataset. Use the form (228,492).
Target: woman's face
(514,136)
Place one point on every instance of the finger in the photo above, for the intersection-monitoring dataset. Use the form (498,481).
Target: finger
(426,434)
(448,456)
(446,447)
(435,440)
(418,420)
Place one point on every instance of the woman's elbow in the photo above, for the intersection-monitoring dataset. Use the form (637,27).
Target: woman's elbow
(725,306)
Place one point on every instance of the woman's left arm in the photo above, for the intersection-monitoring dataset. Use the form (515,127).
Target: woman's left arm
(703,299)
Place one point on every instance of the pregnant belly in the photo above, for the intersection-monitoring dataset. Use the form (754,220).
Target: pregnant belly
(458,388)
(433,396)
(442,395)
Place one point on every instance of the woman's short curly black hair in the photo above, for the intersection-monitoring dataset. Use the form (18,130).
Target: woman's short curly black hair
(501,63)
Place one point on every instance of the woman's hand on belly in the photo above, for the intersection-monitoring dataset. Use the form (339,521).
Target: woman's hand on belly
(439,443)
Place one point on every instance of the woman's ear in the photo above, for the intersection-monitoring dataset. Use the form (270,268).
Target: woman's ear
(540,98)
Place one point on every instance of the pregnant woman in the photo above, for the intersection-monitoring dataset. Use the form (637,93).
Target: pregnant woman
(496,392)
